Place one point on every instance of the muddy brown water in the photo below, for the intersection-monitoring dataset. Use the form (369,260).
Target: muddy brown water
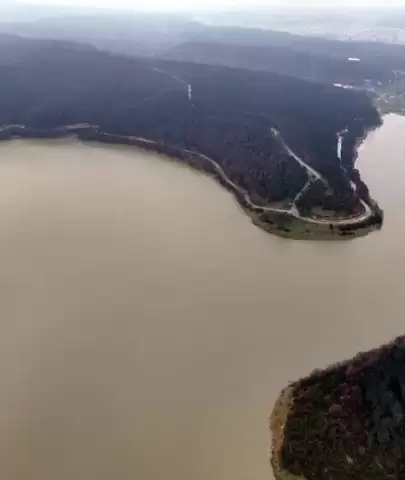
(147,326)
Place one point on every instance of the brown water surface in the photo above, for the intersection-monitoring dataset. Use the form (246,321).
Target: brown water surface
(147,326)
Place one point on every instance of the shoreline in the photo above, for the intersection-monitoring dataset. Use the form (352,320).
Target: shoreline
(277,420)
(281,222)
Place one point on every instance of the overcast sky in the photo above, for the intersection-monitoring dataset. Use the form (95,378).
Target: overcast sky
(171,5)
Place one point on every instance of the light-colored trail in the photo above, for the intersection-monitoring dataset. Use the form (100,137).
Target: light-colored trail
(310,170)
(179,80)
(313,175)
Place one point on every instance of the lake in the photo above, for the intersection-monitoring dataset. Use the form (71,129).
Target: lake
(147,326)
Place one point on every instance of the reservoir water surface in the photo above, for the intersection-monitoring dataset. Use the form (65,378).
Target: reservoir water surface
(147,326)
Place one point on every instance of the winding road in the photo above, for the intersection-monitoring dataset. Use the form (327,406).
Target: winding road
(292,211)
(313,176)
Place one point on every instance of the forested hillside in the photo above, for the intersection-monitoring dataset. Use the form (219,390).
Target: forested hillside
(134,33)
(226,114)
(384,54)
(378,68)
(125,32)
(320,67)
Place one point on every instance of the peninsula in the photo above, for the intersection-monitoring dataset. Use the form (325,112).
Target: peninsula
(285,147)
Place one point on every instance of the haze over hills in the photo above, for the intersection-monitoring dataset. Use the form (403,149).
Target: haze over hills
(178,37)
(14,11)
(383,22)
(112,31)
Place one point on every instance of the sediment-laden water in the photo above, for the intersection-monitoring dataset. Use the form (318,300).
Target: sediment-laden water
(147,326)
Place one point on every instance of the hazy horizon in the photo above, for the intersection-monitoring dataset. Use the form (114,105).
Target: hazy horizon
(192,5)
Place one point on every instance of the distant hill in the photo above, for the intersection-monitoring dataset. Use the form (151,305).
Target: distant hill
(178,37)
(134,33)
(374,53)
(123,32)
(285,60)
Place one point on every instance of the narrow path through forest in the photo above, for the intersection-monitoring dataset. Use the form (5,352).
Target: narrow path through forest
(313,175)
(179,80)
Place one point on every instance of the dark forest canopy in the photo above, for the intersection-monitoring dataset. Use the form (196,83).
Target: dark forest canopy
(226,114)
(313,66)
(377,53)
(346,421)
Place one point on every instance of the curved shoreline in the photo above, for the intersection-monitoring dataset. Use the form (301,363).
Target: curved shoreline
(277,421)
(280,221)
